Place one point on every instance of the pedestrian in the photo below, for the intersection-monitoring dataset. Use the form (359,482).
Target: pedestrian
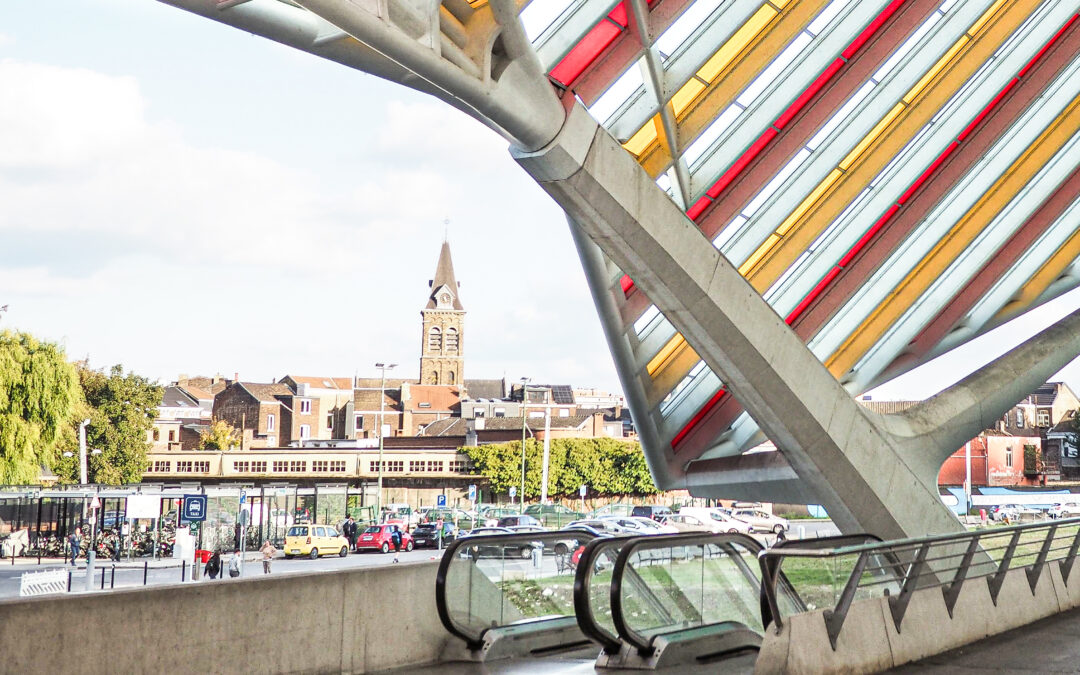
(234,565)
(75,540)
(268,551)
(395,539)
(213,565)
(350,530)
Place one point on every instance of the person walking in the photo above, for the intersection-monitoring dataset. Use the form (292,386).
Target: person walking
(75,540)
(213,565)
(395,539)
(234,565)
(268,552)
(350,530)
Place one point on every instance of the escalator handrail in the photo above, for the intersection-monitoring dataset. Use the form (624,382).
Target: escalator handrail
(627,634)
(451,553)
(582,606)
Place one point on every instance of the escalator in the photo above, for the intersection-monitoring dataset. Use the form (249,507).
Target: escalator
(674,601)
(692,601)
(511,596)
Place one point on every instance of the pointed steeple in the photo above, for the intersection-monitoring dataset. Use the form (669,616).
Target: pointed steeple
(444,283)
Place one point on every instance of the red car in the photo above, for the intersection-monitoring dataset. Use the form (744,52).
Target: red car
(377,537)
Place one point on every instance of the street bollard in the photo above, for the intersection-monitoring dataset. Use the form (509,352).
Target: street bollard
(145,570)
(69,581)
(102,578)
(802,532)
(112,581)
(183,571)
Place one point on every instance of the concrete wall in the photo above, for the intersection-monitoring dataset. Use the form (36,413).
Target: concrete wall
(350,621)
(870,643)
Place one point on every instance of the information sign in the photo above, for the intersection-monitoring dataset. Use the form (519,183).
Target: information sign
(194,507)
(440,501)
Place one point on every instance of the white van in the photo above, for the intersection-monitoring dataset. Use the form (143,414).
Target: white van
(718,520)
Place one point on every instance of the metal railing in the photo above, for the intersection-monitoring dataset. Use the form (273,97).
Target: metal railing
(491,581)
(835,577)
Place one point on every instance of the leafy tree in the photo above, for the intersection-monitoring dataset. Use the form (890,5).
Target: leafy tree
(608,466)
(121,409)
(220,436)
(38,396)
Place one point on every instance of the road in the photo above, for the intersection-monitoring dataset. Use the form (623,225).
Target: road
(130,575)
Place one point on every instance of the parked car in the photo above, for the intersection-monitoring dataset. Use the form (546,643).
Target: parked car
(427,534)
(1014,512)
(761,521)
(459,517)
(377,537)
(638,525)
(686,522)
(654,511)
(718,520)
(1064,510)
(491,516)
(613,509)
(599,524)
(553,515)
(314,540)
(518,519)
(517,549)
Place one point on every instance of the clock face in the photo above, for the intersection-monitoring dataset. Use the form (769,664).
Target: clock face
(445,298)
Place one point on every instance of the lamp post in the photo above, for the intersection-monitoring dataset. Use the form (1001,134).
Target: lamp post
(524,394)
(383,367)
(82,451)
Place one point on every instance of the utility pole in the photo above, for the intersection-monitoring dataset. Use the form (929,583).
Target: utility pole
(547,454)
(382,412)
(82,451)
(524,396)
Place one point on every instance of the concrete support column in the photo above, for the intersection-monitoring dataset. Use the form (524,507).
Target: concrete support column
(833,444)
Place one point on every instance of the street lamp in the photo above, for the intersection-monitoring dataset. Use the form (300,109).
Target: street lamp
(382,411)
(82,451)
(524,388)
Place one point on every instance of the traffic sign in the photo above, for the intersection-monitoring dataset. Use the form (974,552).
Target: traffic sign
(95,503)
(472,493)
(194,507)
(513,491)
(440,501)
(243,496)
(582,490)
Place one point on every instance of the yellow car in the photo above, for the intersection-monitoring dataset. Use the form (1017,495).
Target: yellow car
(315,540)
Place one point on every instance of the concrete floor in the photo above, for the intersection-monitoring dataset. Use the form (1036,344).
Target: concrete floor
(1046,646)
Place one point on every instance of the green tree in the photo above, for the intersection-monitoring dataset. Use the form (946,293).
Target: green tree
(607,466)
(121,409)
(220,436)
(38,396)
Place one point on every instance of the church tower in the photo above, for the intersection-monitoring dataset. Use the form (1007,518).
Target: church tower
(442,350)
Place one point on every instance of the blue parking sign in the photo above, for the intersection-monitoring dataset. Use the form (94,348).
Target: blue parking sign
(194,507)
(472,493)
(440,501)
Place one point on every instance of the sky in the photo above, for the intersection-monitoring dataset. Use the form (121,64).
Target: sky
(178,196)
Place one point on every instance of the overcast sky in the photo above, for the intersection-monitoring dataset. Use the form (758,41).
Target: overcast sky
(182,197)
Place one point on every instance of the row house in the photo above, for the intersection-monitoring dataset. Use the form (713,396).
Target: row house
(267,415)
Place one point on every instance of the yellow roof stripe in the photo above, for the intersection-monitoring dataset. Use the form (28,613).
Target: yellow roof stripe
(887,138)
(934,264)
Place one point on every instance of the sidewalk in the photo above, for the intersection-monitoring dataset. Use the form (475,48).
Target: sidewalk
(123,563)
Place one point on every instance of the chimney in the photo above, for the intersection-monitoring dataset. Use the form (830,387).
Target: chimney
(470,435)
(236,377)
(406,395)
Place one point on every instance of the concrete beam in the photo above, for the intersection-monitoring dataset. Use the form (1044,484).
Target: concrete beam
(835,446)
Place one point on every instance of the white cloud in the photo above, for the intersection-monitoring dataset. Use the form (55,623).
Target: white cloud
(175,256)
